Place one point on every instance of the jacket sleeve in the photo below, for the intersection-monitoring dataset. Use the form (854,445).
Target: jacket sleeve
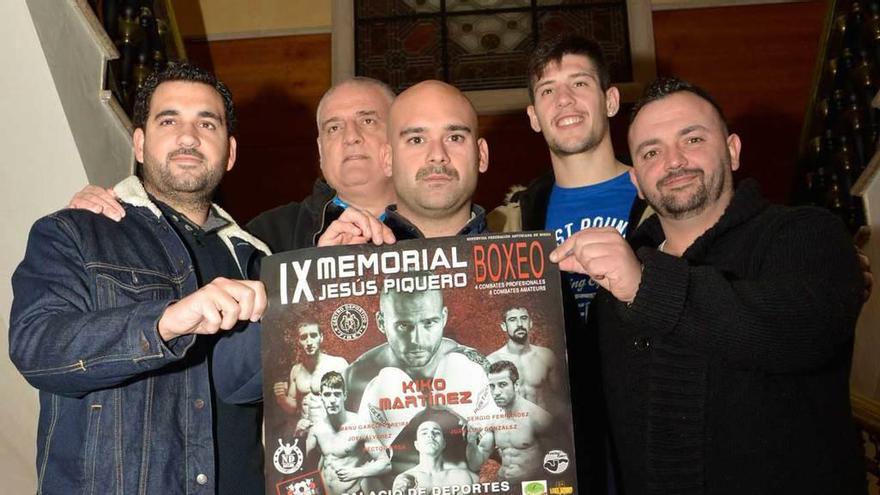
(798,313)
(277,227)
(59,340)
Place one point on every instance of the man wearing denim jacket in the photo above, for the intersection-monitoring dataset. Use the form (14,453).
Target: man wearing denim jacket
(116,323)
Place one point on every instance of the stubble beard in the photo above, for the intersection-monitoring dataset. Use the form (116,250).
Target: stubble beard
(186,189)
(589,142)
(520,339)
(668,205)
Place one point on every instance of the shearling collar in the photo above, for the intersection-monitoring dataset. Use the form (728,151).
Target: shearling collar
(132,191)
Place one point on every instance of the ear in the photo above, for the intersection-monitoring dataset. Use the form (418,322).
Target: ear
(380,321)
(612,101)
(385,159)
(734,145)
(533,118)
(138,142)
(445,315)
(635,181)
(483,147)
(232,153)
(320,153)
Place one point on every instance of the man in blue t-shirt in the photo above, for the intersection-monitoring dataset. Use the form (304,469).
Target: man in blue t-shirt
(571,209)
(572,100)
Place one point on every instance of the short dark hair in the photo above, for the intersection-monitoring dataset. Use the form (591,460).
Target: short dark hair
(332,379)
(186,72)
(552,51)
(499,366)
(665,86)
(308,323)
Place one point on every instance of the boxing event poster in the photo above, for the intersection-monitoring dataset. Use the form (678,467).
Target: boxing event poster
(427,367)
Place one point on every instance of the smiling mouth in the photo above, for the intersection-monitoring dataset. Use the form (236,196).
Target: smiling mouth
(679,180)
(569,121)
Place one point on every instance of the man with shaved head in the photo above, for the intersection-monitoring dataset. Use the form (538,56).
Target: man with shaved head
(433,156)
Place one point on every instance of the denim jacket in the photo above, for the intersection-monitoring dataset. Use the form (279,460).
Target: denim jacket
(121,411)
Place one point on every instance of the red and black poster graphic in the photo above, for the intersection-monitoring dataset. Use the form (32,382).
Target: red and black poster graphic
(434,366)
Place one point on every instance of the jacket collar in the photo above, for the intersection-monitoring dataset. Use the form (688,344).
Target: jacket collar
(747,202)
(132,192)
(404,229)
(534,200)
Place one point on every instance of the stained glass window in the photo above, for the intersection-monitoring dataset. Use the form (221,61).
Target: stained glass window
(478,44)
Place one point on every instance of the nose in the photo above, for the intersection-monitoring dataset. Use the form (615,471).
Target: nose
(188,137)
(563,97)
(677,158)
(352,134)
(419,337)
(437,153)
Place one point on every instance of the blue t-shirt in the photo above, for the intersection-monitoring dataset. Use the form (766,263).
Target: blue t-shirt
(606,204)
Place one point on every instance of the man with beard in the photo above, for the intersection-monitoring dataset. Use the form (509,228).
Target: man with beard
(726,325)
(538,376)
(308,371)
(432,470)
(517,434)
(347,461)
(352,118)
(117,323)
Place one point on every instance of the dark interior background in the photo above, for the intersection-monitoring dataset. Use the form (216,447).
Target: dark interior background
(757,60)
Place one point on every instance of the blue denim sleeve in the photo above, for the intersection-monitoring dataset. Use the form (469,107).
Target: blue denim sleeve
(59,340)
(237,365)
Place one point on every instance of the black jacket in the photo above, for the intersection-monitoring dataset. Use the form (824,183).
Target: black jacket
(729,372)
(297,225)
(403,229)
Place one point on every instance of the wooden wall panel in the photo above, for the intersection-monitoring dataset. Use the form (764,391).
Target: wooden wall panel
(277,83)
(757,60)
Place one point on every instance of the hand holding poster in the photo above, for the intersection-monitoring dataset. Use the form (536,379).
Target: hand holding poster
(433,366)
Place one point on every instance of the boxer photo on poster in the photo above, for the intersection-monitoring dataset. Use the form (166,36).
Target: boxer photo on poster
(431,366)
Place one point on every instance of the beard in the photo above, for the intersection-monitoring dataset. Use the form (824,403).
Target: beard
(193,186)
(520,335)
(708,191)
(586,143)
